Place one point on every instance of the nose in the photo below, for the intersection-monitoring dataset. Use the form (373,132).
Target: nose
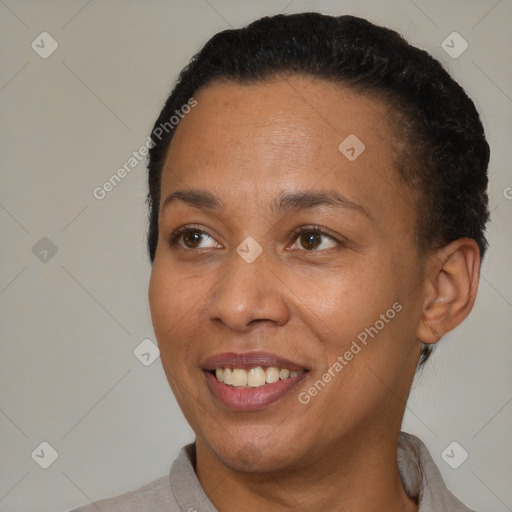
(248,295)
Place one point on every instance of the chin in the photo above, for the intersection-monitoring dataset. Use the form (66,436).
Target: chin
(256,457)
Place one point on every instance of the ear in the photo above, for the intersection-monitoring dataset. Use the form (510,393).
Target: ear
(450,288)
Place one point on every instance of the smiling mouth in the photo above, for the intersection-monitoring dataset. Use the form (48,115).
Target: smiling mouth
(251,380)
(254,377)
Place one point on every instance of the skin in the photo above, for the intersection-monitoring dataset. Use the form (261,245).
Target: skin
(247,145)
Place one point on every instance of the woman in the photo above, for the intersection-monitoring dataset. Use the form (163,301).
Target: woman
(317,194)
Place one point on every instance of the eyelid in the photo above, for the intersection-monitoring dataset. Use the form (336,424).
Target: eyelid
(313,227)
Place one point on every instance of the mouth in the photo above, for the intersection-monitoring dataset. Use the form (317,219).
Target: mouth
(252,380)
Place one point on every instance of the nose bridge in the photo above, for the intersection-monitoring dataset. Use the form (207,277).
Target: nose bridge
(249,291)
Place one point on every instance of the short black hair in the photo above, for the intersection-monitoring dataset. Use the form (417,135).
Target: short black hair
(444,154)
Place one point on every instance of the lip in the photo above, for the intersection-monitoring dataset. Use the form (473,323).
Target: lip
(250,399)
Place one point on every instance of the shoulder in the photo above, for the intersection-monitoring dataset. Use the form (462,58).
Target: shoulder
(155,496)
(422,479)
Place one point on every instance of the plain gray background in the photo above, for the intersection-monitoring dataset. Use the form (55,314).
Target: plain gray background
(71,320)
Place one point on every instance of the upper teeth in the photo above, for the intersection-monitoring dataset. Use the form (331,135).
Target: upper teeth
(254,378)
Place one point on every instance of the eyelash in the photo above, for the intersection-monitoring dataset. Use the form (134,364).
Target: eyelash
(175,237)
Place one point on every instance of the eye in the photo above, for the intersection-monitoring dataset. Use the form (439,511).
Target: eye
(314,239)
(192,238)
(310,239)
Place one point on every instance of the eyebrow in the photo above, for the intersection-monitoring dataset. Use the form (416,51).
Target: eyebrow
(287,202)
(197,198)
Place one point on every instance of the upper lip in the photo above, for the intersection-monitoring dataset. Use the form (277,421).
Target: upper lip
(248,360)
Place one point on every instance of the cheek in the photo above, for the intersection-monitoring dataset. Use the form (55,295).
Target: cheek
(173,304)
(172,301)
(347,297)
(360,308)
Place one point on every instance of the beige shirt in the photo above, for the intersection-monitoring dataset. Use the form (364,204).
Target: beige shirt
(182,492)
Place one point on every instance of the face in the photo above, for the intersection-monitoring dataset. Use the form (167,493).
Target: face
(281,260)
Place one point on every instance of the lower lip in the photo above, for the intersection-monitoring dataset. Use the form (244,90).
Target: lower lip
(251,399)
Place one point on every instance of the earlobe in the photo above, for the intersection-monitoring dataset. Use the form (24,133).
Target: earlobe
(450,289)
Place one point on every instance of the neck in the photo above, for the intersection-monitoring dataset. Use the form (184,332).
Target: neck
(360,476)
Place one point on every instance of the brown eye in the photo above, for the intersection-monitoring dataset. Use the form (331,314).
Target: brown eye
(192,238)
(311,240)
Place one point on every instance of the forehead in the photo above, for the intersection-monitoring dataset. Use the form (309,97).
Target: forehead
(292,116)
(291,133)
